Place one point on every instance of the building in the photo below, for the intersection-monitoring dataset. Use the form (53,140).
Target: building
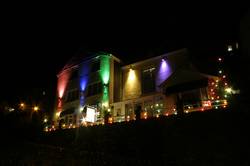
(93,86)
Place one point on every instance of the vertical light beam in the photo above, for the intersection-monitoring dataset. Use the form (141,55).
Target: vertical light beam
(164,71)
(105,75)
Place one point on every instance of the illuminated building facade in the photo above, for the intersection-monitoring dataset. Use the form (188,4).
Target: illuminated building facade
(152,86)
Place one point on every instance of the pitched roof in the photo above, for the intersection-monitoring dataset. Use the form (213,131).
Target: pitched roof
(182,76)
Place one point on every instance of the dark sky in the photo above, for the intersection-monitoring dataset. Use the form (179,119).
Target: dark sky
(37,41)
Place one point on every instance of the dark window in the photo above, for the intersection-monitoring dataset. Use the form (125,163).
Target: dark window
(94,89)
(72,96)
(191,97)
(74,75)
(95,66)
(148,80)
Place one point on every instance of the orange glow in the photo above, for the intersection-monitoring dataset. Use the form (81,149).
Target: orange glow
(206,103)
(145,115)
(128,118)
(110,120)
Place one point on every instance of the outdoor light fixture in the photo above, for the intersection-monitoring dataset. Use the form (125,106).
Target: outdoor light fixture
(229,48)
(58,114)
(62,83)
(105,104)
(131,75)
(36,108)
(164,71)
(229,90)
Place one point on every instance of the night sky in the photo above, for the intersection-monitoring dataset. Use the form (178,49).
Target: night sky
(37,42)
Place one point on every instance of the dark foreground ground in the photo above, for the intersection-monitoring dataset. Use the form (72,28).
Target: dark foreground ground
(216,137)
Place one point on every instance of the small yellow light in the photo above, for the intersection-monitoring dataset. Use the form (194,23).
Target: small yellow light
(22,104)
(36,108)
(45,120)
(128,118)
(228,90)
(58,114)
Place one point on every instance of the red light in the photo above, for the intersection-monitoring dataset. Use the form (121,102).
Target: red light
(62,83)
